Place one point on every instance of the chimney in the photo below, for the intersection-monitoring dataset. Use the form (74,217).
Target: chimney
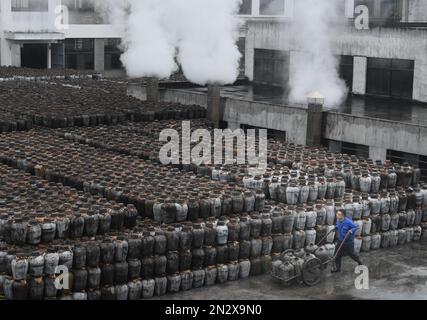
(153,89)
(214,104)
(315,119)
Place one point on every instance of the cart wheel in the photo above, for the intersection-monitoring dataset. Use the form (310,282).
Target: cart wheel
(311,271)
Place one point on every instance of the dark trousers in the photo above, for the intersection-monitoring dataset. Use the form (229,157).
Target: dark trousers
(347,249)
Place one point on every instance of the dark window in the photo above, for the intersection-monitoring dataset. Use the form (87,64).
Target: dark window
(79,54)
(83,12)
(223,125)
(79,5)
(359,150)
(390,77)
(112,54)
(413,159)
(382,12)
(271,67)
(271,133)
(34,56)
(30,5)
(346,71)
(246,7)
(272,7)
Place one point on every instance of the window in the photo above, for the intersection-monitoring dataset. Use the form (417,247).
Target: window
(79,5)
(272,7)
(84,12)
(346,71)
(78,44)
(271,133)
(79,54)
(359,150)
(413,159)
(246,7)
(390,77)
(113,54)
(382,12)
(30,5)
(271,67)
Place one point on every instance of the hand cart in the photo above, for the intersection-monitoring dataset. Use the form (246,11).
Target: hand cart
(312,268)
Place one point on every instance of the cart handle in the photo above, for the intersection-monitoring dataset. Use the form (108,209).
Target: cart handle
(326,236)
(342,244)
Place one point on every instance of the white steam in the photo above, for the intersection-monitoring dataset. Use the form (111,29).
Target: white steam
(200,35)
(315,68)
(149,51)
(207,44)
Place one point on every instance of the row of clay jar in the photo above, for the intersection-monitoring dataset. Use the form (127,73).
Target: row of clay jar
(35,211)
(180,248)
(39,288)
(91,283)
(141,141)
(127,179)
(66,106)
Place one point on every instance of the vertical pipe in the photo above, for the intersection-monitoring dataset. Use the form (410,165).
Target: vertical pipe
(314,124)
(49,56)
(214,104)
(153,90)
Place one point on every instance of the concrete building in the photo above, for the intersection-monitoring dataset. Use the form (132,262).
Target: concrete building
(388,60)
(57,34)
(385,62)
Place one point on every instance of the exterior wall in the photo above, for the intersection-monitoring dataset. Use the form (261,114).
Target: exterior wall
(184,97)
(378,134)
(93,31)
(380,42)
(293,120)
(19,27)
(99,55)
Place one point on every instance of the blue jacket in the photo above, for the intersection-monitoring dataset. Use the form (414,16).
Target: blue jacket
(344,227)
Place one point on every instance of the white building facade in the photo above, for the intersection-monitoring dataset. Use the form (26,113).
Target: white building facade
(56,34)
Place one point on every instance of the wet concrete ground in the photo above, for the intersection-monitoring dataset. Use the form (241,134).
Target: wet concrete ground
(398,273)
(382,108)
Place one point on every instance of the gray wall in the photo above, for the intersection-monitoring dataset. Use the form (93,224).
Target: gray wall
(379,42)
(99,53)
(380,135)
(293,120)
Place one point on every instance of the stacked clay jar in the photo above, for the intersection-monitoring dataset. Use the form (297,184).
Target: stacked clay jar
(152,259)
(11,122)
(58,106)
(15,73)
(161,193)
(139,139)
(35,211)
(311,165)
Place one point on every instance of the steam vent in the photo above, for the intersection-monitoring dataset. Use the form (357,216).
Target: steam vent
(140,171)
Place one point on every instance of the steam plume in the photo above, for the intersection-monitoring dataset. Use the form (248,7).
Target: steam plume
(315,68)
(199,34)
